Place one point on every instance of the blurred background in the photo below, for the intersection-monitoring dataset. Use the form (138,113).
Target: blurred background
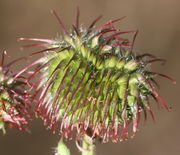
(158,22)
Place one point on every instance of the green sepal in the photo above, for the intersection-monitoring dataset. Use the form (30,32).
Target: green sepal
(120,64)
(110,62)
(99,65)
(122,80)
(131,65)
(133,89)
(121,91)
(106,48)
(84,51)
(131,100)
(69,40)
(95,42)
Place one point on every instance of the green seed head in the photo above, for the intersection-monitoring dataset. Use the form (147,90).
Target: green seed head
(90,81)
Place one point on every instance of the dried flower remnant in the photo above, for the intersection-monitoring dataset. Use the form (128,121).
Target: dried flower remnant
(91,81)
(14,102)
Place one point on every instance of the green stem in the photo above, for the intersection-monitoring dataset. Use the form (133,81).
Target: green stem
(88,146)
(62,149)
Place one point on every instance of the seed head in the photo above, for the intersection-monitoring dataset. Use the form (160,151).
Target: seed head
(91,81)
(14,102)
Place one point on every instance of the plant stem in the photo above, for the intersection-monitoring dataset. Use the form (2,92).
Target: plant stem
(62,149)
(88,146)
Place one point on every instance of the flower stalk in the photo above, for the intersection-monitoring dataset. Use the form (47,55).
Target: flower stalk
(88,145)
(62,149)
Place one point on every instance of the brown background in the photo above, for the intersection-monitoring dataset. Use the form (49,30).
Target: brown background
(159,24)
